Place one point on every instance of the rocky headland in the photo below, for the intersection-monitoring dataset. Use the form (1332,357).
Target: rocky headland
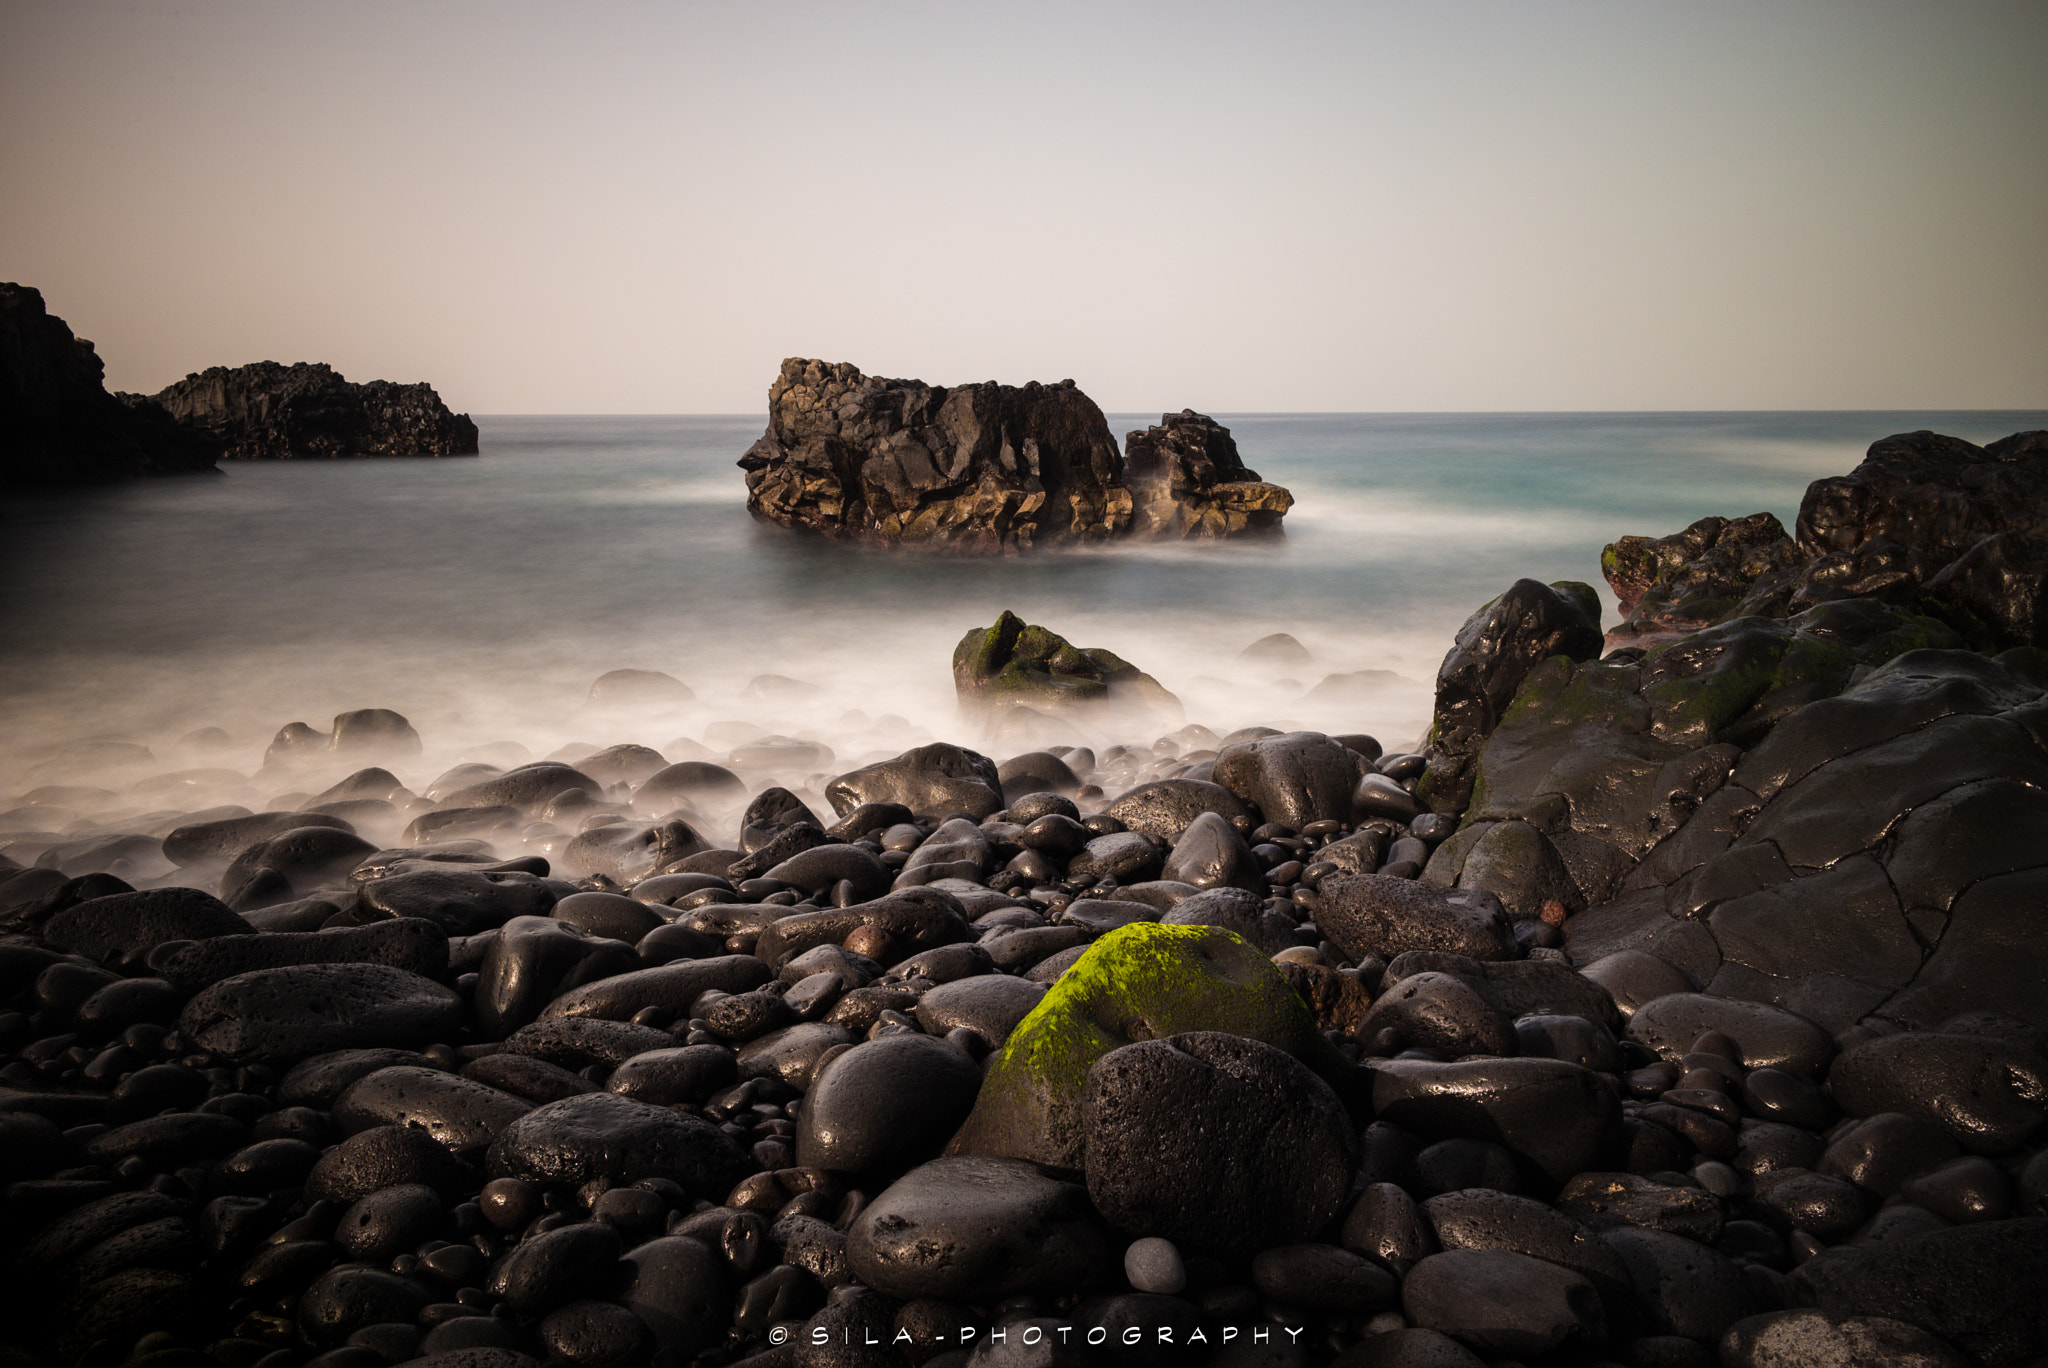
(1678,1003)
(58,423)
(268,411)
(989,467)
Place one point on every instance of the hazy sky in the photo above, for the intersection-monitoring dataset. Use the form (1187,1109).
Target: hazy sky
(644,207)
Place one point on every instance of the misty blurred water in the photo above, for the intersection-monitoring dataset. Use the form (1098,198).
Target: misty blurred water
(481,597)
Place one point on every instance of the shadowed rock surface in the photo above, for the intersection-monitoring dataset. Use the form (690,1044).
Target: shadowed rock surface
(268,411)
(58,423)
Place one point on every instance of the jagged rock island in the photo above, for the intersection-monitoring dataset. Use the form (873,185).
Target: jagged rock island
(267,411)
(58,423)
(989,467)
(1682,1005)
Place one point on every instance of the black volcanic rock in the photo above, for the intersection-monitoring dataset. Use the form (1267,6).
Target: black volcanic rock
(1930,523)
(1187,480)
(983,467)
(269,411)
(58,423)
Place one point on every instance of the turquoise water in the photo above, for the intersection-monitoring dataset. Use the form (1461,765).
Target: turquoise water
(481,597)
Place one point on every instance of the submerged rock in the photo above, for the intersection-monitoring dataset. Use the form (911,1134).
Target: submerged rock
(1015,665)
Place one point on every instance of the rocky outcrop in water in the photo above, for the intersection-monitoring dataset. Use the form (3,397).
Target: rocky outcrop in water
(1013,667)
(985,467)
(1929,522)
(1187,480)
(58,423)
(267,411)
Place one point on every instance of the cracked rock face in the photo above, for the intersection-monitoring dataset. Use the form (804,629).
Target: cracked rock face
(987,467)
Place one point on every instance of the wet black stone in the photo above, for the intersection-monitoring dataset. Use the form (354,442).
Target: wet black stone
(990,1005)
(1880,1152)
(170,1141)
(1126,856)
(886,1104)
(416,946)
(791,1054)
(536,1080)
(1483,1219)
(266,1166)
(1990,1096)
(817,870)
(1499,1303)
(603,1135)
(576,1042)
(461,1113)
(1237,910)
(1430,1011)
(685,1073)
(1215,1142)
(1324,1278)
(303,859)
(1210,853)
(744,1016)
(1778,1339)
(1682,1286)
(1454,1165)
(1560,1117)
(277,1016)
(1979,1287)
(939,780)
(390,1221)
(461,903)
(545,1271)
(1768,1037)
(117,1006)
(680,1290)
(672,986)
(384,1157)
(1602,1201)
(1385,1224)
(979,1229)
(125,927)
(595,1334)
(1963,1190)
(1373,914)
(316,1082)
(344,1300)
(1164,808)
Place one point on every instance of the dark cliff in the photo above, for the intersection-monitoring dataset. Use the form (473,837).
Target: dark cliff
(58,423)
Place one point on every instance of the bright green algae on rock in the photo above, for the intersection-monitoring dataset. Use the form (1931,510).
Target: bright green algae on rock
(1140,982)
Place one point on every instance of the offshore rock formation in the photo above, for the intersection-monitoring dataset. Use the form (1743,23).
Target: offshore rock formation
(268,411)
(985,467)
(58,424)
(1932,523)
(1187,480)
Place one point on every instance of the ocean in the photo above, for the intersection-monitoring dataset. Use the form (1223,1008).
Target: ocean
(481,597)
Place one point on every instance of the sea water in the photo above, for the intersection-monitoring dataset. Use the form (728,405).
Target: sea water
(482,597)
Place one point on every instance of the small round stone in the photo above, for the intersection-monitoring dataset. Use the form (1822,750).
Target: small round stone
(1154,1265)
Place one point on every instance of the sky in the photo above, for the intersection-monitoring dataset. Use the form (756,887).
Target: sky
(1472,205)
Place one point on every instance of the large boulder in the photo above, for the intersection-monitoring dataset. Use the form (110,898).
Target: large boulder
(1494,651)
(1215,1142)
(938,780)
(58,423)
(1013,664)
(1139,982)
(274,412)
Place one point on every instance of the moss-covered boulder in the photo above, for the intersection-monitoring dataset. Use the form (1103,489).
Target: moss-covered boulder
(1140,982)
(1014,664)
